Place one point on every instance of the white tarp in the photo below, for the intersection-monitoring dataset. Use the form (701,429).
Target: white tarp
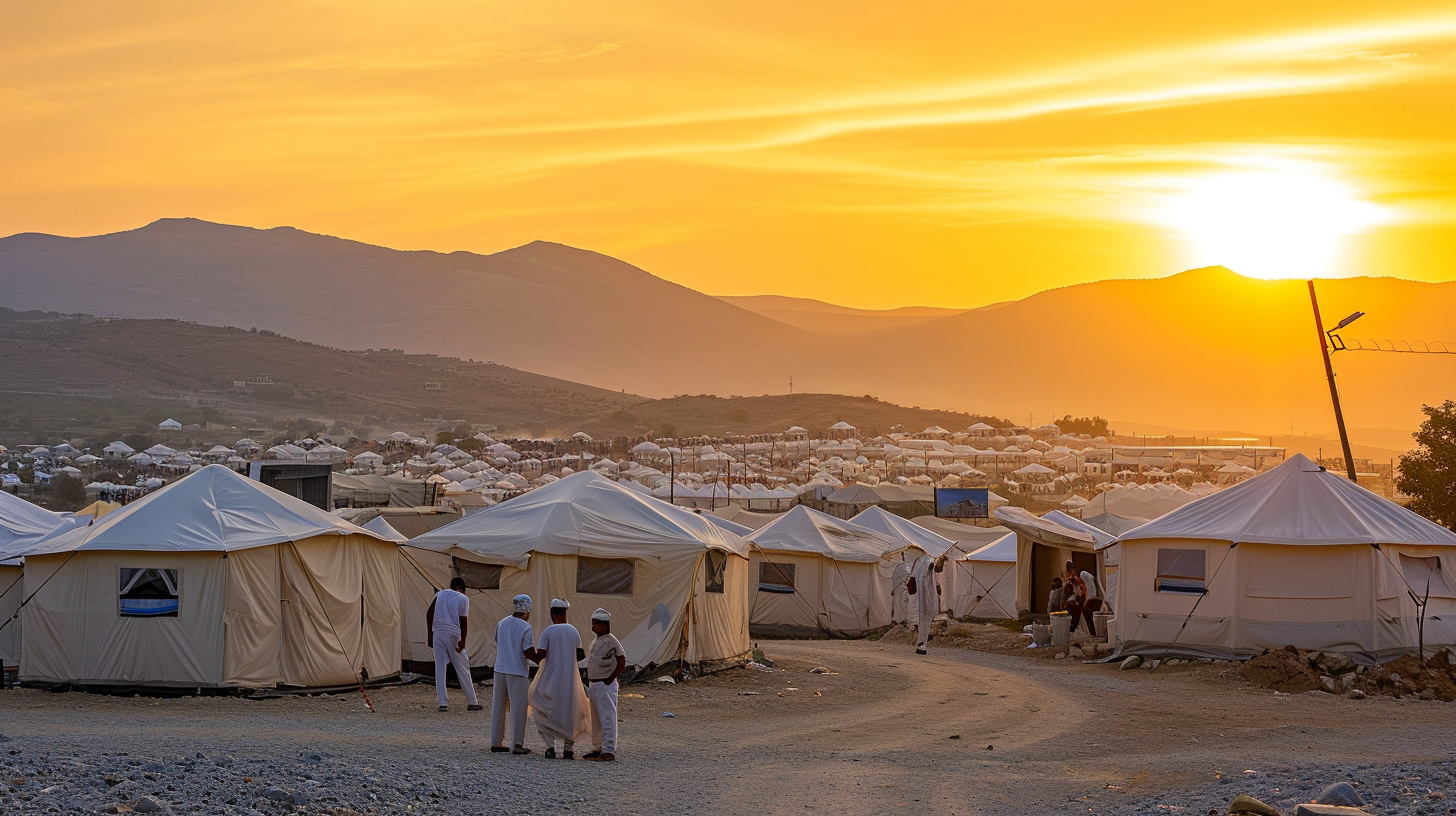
(984,581)
(902,530)
(681,591)
(265,590)
(1297,556)
(818,575)
(1297,503)
(212,510)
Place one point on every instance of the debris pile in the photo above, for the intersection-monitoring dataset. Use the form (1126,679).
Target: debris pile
(1294,671)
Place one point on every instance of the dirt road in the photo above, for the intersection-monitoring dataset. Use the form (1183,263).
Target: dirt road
(957,732)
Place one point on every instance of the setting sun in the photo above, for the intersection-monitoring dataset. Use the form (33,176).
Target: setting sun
(1280,223)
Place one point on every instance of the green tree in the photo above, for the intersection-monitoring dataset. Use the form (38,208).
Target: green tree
(67,493)
(1092,426)
(1428,473)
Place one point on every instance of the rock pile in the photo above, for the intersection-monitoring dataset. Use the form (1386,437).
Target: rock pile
(1295,671)
(1339,798)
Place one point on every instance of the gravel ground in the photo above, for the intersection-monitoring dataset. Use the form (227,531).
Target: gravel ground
(957,732)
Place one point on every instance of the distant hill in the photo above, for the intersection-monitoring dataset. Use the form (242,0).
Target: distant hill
(77,376)
(1201,349)
(1206,348)
(542,307)
(828,318)
(72,375)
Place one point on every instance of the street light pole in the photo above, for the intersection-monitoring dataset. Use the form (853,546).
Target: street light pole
(1334,392)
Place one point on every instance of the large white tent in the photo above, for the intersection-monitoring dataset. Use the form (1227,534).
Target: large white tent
(21,523)
(1296,555)
(984,581)
(214,580)
(676,583)
(818,575)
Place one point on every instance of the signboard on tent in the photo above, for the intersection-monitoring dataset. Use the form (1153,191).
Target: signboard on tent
(963,502)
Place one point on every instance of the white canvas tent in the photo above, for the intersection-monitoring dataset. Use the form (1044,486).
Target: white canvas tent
(984,581)
(21,523)
(1296,555)
(818,575)
(214,580)
(1043,546)
(676,583)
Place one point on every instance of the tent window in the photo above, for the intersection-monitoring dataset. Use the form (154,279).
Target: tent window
(776,578)
(1423,573)
(1182,571)
(604,576)
(717,571)
(476,574)
(149,593)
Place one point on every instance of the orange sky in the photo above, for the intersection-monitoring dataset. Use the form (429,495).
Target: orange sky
(872,155)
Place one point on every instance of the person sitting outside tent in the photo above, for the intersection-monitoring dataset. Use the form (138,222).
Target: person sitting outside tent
(1076,594)
(1057,598)
(605,662)
(447,618)
(557,696)
(513,654)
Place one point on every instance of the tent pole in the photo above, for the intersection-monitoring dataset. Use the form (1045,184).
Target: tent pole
(1334,392)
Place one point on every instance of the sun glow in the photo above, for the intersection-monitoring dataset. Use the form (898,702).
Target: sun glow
(1271,223)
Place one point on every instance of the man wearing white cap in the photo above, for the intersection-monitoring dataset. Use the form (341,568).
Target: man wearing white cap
(513,653)
(448,618)
(605,662)
(557,697)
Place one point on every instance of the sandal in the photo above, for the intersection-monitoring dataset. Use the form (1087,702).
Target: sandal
(591,755)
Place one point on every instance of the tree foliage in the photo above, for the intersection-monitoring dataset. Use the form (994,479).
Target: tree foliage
(1092,426)
(67,493)
(1428,473)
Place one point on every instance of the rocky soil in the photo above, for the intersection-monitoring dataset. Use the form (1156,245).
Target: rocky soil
(875,730)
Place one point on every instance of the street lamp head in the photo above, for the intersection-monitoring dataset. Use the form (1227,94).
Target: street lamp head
(1347,321)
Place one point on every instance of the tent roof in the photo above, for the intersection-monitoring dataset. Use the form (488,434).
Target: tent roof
(381,528)
(22,523)
(810,531)
(1298,503)
(1002,550)
(1049,530)
(211,510)
(902,529)
(582,514)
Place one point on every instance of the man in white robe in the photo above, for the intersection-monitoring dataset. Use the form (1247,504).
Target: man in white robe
(926,599)
(558,698)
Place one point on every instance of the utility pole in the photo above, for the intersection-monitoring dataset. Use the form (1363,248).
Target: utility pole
(1334,392)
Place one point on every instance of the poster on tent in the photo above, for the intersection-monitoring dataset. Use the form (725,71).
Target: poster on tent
(962,502)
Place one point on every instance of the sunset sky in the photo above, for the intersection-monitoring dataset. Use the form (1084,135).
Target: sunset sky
(870,154)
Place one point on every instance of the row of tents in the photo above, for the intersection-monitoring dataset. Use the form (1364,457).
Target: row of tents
(220,581)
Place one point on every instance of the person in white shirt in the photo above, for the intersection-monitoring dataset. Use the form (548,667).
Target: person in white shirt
(513,654)
(899,594)
(605,662)
(927,596)
(557,697)
(448,620)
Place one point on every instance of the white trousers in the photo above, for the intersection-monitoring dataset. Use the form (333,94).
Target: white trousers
(603,698)
(445,654)
(510,692)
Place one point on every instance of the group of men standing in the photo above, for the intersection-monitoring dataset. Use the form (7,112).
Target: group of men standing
(564,710)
